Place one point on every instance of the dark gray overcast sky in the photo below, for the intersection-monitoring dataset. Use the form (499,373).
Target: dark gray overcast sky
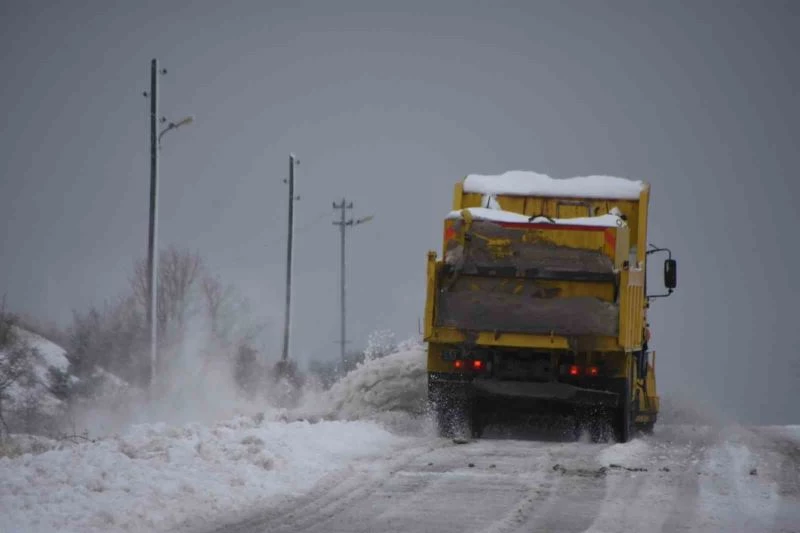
(390,103)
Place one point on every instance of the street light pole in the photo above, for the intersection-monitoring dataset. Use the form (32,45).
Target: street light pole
(152,233)
(343,222)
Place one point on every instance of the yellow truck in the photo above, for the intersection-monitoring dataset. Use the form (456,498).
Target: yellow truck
(538,305)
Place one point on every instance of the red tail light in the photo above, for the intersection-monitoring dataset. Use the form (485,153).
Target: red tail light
(574,370)
(592,371)
(458,363)
(477,364)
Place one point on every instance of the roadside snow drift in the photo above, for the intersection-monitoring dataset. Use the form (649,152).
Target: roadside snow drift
(156,477)
(378,390)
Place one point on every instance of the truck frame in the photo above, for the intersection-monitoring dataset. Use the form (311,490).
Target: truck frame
(538,305)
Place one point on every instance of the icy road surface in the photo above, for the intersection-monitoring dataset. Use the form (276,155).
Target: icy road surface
(683,478)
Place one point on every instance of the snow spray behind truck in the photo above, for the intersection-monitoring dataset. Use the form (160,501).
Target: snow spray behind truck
(539,304)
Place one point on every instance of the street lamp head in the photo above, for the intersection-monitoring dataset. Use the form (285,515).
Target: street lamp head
(175,125)
(184,122)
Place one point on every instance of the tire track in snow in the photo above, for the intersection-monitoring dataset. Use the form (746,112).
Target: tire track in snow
(776,458)
(657,498)
(440,491)
(684,513)
(697,479)
(333,494)
(569,498)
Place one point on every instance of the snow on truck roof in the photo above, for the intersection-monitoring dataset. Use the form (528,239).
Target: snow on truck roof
(610,220)
(524,183)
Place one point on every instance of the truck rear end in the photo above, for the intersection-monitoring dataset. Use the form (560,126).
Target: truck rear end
(538,305)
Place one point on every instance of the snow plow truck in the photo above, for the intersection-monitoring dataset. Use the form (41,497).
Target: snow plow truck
(538,306)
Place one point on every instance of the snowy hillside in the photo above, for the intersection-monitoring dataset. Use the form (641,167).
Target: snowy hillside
(48,355)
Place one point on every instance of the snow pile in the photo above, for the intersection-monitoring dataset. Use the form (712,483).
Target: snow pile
(157,477)
(609,220)
(380,389)
(524,183)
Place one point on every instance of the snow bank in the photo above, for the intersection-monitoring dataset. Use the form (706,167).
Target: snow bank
(608,220)
(156,477)
(524,183)
(379,389)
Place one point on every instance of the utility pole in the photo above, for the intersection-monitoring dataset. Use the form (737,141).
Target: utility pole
(293,162)
(343,223)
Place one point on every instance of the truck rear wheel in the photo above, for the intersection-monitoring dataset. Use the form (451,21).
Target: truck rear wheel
(456,418)
(444,419)
(623,416)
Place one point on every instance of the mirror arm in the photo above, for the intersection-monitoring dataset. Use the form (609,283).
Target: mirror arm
(654,249)
(669,292)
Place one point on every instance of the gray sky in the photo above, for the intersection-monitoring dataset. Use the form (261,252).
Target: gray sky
(390,106)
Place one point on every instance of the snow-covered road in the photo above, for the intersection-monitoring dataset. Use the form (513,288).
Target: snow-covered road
(361,457)
(683,478)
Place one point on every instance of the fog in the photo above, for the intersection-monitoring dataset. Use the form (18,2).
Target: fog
(389,107)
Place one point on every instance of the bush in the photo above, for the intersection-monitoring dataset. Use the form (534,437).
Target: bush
(16,360)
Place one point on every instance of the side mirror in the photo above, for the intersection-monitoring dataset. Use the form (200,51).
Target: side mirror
(670,274)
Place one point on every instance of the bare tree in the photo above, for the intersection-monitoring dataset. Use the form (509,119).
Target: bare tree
(112,337)
(46,329)
(229,314)
(217,299)
(178,273)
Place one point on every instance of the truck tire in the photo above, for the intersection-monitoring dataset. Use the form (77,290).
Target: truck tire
(454,418)
(623,416)
(443,423)
(441,411)
(462,419)
(478,422)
